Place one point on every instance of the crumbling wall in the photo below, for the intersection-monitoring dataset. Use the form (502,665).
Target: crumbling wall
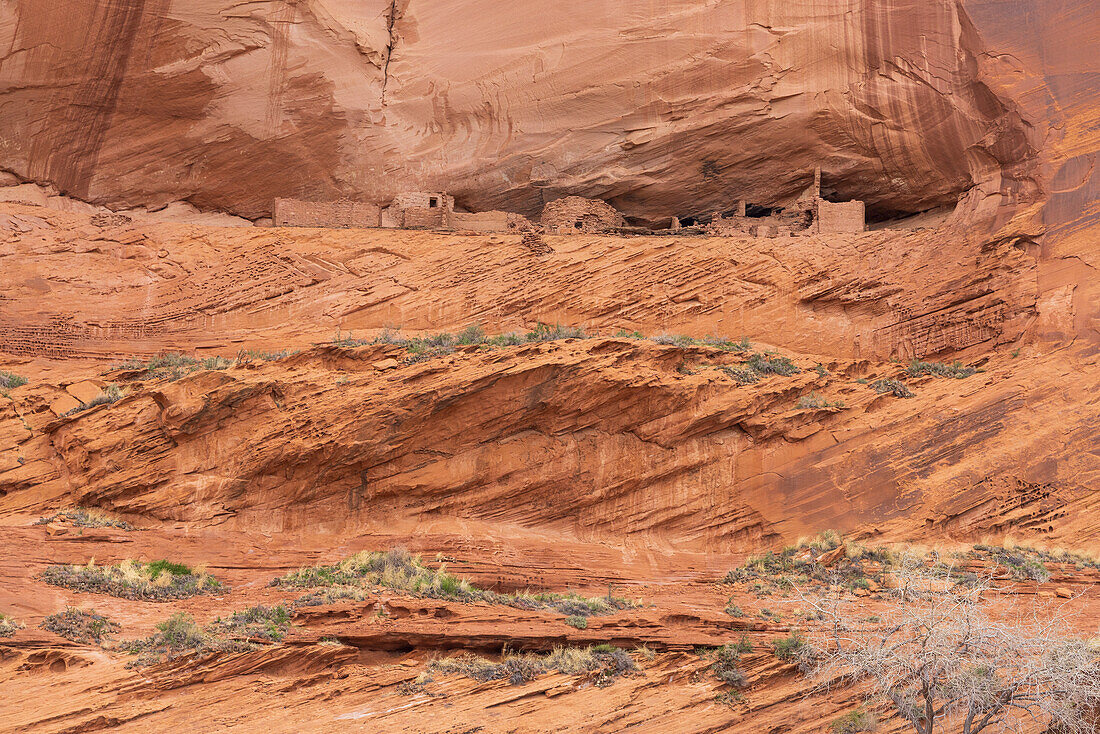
(420,210)
(342,213)
(480,222)
(577,215)
(423,199)
(840,217)
(420,217)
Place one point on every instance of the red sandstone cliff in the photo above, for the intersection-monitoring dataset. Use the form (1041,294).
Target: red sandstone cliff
(663,108)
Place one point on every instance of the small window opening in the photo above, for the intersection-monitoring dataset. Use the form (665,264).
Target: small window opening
(433,202)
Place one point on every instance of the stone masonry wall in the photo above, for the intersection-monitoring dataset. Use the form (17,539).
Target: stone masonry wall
(343,213)
(839,217)
(577,215)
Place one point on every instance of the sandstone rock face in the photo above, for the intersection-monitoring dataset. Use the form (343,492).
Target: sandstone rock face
(675,107)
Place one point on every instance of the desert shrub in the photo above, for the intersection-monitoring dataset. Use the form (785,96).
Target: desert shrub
(110,394)
(770,365)
(347,341)
(624,334)
(86,517)
(741,375)
(545,333)
(388,336)
(330,595)
(676,340)
(259,622)
(897,388)
(854,722)
(423,348)
(511,339)
(947,648)
(157,581)
(813,401)
(800,564)
(173,366)
(1021,563)
(216,363)
(471,335)
(250,354)
(734,611)
(729,698)
(787,648)
(608,662)
(577,621)
(79,625)
(725,660)
(10,380)
(8,626)
(418,685)
(956,369)
(395,569)
(728,345)
(175,636)
(398,569)
(180,634)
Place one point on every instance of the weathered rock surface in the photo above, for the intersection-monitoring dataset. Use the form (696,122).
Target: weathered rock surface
(669,108)
(604,464)
(80,286)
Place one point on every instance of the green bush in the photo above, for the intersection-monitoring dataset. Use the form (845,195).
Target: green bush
(607,661)
(767,365)
(79,625)
(676,340)
(897,388)
(173,366)
(8,626)
(10,380)
(741,375)
(798,564)
(624,334)
(854,722)
(787,648)
(180,634)
(398,569)
(813,401)
(725,660)
(259,622)
(158,581)
(577,621)
(956,370)
(728,345)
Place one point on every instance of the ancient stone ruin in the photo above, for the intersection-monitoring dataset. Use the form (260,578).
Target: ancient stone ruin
(577,215)
(408,210)
(810,213)
(419,210)
(342,213)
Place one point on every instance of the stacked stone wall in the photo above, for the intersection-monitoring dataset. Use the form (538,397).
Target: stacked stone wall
(577,215)
(340,214)
(493,221)
(420,217)
(840,217)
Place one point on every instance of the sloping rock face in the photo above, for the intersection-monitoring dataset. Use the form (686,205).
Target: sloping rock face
(666,108)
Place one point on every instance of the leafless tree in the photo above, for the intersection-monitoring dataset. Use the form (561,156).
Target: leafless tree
(946,656)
